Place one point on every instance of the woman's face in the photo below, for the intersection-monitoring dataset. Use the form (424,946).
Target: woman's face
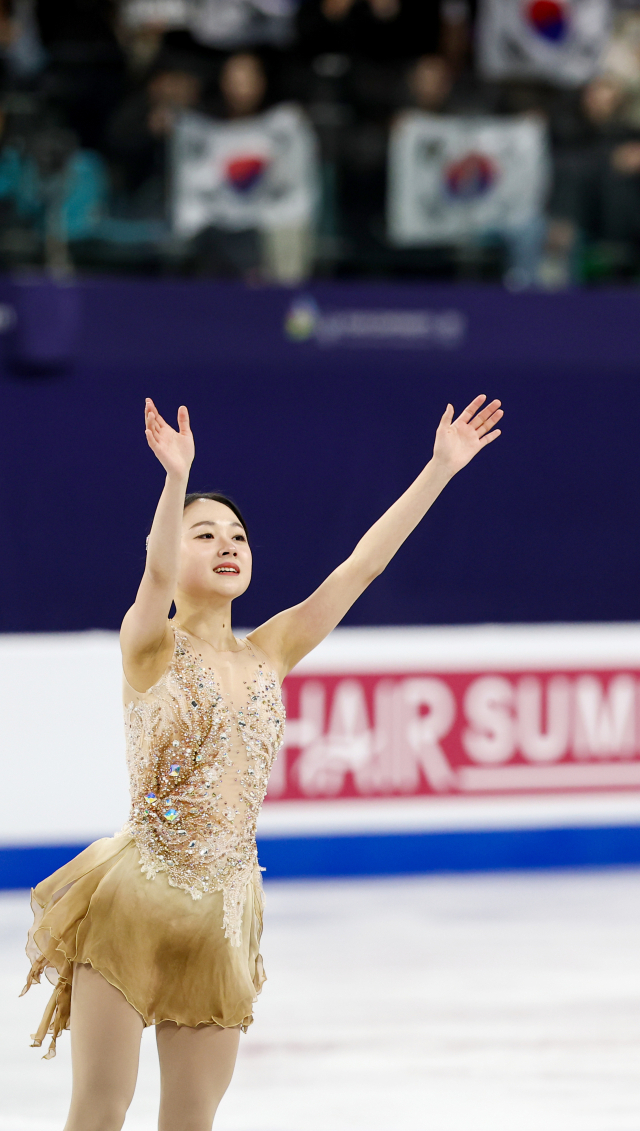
(243,84)
(215,558)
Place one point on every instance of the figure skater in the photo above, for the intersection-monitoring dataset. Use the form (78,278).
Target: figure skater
(160,925)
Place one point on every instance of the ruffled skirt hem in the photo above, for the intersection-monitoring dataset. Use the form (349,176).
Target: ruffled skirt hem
(166,953)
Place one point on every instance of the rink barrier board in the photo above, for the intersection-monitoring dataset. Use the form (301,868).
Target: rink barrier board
(325,857)
(388,730)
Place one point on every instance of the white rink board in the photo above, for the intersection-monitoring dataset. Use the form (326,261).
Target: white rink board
(64,768)
(64,771)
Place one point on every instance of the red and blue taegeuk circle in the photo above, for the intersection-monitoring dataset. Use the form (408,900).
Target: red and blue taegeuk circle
(549,18)
(471,176)
(244,172)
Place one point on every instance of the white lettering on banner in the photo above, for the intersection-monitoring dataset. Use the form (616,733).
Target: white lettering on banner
(488,707)
(424,730)
(537,744)
(391,767)
(345,747)
(372,735)
(563,776)
(605,723)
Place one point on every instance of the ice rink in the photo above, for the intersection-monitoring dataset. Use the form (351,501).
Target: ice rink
(484,1003)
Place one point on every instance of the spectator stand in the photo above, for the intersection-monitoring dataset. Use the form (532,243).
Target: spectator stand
(95,95)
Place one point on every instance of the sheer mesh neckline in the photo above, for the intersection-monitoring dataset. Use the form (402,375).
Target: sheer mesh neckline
(248,649)
(217,677)
(243,641)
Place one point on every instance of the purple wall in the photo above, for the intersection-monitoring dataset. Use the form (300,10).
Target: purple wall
(314,438)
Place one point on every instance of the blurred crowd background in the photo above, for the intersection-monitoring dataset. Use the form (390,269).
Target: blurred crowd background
(276,140)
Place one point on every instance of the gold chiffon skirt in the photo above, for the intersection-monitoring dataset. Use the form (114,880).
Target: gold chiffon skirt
(165,951)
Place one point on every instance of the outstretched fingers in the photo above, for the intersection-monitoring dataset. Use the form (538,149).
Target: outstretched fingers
(486,414)
(153,438)
(183,420)
(174,448)
(151,412)
(489,437)
(490,422)
(153,423)
(471,409)
(483,420)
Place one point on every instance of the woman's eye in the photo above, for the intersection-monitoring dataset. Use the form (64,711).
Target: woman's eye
(239,538)
(207,535)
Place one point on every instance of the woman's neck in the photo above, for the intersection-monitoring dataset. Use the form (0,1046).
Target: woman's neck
(211,625)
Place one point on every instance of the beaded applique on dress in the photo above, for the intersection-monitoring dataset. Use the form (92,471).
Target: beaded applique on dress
(199,768)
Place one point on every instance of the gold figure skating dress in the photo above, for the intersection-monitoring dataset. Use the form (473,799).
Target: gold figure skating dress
(170,909)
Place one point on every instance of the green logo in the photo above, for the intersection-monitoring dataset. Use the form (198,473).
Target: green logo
(301,319)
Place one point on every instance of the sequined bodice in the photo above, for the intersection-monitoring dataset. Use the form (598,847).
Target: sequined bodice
(200,746)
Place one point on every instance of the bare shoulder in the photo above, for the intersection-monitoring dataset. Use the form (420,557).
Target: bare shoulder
(143,667)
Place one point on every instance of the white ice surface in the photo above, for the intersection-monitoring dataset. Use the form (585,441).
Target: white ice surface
(491,1003)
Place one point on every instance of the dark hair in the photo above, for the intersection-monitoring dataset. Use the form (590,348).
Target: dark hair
(193,497)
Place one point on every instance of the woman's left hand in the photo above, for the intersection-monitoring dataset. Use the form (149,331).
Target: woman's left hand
(458,441)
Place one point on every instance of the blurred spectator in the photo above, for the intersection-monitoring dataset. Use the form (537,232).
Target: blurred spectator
(85,73)
(358,50)
(141,45)
(596,198)
(220,251)
(426,84)
(373,29)
(430,82)
(52,192)
(20,45)
(466,184)
(456,33)
(139,134)
(265,165)
(122,76)
(243,86)
(622,60)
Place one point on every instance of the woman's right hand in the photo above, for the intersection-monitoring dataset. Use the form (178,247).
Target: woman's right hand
(146,638)
(174,449)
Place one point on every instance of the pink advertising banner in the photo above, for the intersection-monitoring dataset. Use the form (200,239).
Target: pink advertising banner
(423,732)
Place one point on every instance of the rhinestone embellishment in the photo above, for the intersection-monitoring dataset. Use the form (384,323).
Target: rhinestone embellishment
(196,819)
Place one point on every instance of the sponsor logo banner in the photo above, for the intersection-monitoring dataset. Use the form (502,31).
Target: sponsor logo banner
(407,734)
(306,322)
(453,178)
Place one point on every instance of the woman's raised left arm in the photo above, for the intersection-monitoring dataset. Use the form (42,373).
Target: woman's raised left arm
(290,635)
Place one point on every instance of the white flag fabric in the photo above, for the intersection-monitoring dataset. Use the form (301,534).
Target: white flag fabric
(259,172)
(227,24)
(558,41)
(453,178)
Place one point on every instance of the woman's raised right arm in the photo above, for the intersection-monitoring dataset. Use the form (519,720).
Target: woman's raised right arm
(145,636)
